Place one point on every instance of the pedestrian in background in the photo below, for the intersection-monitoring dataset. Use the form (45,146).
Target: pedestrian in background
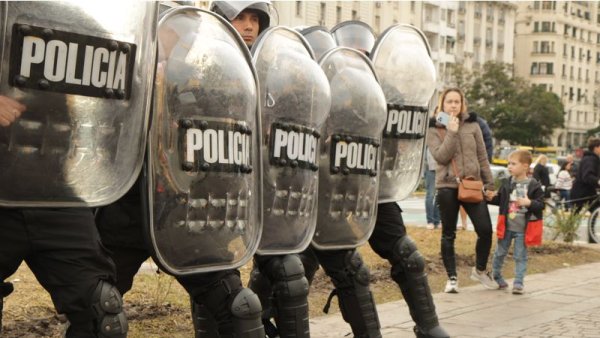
(586,181)
(432,211)
(541,174)
(564,183)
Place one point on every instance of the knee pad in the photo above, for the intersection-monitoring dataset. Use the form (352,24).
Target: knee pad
(246,305)
(288,278)
(355,299)
(108,311)
(355,272)
(246,311)
(406,257)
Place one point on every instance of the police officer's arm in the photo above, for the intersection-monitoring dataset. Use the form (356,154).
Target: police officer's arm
(10,110)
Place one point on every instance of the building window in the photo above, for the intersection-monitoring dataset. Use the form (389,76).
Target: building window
(542,68)
(548,5)
(547,26)
(412,6)
(298,8)
(564,70)
(536,46)
(546,47)
(338,14)
(378,23)
(354,15)
(322,13)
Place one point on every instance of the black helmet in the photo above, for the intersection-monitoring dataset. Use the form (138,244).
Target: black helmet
(354,34)
(231,9)
(319,38)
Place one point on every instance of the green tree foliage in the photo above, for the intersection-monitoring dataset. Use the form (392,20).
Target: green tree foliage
(516,111)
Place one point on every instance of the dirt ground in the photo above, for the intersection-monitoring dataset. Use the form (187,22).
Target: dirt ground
(157,306)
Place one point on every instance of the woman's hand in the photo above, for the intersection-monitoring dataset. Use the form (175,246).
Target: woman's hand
(10,110)
(453,124)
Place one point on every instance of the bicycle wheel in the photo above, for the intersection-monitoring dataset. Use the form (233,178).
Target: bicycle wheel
(594,227)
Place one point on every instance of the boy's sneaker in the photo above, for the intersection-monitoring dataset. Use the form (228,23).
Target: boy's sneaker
(502,284)
(451,285)
(518,289)
(484,278)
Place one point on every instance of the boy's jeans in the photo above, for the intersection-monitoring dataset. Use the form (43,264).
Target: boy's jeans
(519,254)
(431,209)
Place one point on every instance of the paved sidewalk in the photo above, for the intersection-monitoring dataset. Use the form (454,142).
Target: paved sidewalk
(561,303)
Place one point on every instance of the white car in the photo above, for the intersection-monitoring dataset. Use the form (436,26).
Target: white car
(499,172)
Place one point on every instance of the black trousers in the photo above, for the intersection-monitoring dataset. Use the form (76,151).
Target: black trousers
(447,199)
(62,248)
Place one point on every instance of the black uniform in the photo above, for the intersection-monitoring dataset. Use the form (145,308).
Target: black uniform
(62,248)
(351,277)
(214,295)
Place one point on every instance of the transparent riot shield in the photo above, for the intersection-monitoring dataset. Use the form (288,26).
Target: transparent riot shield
(84,71)
(349,152)
(204,182)
(295,102)
(406,73)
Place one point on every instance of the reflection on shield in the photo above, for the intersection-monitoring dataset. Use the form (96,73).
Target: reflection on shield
(407,76)
(296,102)
(349,174)
(84,74)
(204,184)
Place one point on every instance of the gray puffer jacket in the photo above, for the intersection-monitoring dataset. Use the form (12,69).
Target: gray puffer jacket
(467,149)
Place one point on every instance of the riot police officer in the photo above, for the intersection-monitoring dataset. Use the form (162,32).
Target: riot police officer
(221,306)
(53,168)
(283,271)
(389,240)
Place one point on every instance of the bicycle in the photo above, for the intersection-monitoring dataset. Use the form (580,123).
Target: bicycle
(554,205)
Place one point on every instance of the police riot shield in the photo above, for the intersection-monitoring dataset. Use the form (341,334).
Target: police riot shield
(349,153)
(295,102)
(84,73)
(407,75)
(204,179)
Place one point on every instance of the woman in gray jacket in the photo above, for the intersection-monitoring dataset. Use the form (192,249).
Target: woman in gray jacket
(459,138)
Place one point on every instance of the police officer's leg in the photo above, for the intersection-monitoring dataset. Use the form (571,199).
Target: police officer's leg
(261,285)
(13,247)
(389,240)
(290,291)
(310,261)
(71,263)
(127,261)
(222,307)
(350,277)
(120,227)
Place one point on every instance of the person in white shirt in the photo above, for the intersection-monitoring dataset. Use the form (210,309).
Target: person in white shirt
(564,183)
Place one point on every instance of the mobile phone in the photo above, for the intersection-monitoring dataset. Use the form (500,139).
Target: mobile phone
(443,118)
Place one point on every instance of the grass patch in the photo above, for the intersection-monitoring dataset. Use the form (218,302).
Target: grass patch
(157,306)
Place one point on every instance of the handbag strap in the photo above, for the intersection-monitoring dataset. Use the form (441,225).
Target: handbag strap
(442,134)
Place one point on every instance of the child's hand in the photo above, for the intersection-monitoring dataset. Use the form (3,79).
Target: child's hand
(489,195)
(523,202)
